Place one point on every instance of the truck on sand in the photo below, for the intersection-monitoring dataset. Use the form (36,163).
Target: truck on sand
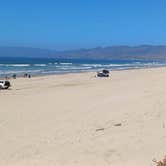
(4,84)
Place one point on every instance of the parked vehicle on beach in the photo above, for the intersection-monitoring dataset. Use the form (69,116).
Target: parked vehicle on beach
(4,84)
(103,73)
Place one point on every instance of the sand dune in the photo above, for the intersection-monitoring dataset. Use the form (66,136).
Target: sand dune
(80,120)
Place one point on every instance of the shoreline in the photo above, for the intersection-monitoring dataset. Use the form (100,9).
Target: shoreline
(80,72)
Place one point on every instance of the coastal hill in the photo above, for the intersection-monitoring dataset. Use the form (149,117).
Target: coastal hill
(142,52)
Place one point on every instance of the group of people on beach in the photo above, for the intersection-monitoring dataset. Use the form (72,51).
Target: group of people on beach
(26,75)
(14,76)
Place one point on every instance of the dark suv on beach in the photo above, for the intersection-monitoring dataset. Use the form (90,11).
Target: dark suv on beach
(104,73)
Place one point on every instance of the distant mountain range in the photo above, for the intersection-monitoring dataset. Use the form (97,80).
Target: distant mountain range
(142,52)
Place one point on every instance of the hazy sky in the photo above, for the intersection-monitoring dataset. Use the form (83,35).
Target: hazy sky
(70,24)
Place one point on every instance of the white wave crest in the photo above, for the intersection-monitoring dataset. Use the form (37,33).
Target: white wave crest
(40,65)
(15,65)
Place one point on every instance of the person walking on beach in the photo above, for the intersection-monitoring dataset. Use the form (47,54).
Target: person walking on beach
(14,76)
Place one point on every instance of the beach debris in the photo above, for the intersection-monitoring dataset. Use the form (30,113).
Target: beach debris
(118,124)
(100,129)
(160,163)
(163,125)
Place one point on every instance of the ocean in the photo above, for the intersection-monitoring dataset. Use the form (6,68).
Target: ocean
(41,66)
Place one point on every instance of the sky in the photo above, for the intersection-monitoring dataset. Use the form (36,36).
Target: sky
(73,24)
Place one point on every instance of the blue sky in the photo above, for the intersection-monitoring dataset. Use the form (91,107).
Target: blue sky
(72,24)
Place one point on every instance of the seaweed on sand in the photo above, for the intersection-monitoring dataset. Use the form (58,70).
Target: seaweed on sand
(160,163)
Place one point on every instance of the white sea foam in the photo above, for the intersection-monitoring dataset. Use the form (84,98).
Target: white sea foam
(66,63)
(74,68)
(106,65)
(40,65)
(15,65)
(93,65)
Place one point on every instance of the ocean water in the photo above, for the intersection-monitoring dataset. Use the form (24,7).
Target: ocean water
(38,66)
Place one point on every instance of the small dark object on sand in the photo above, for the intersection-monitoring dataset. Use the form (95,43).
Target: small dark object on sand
(14,76)
(118,124)
(100,129)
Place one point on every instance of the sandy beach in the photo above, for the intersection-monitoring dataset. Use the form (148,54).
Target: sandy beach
(81,120)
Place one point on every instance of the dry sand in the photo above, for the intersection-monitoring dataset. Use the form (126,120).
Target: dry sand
(80,120)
